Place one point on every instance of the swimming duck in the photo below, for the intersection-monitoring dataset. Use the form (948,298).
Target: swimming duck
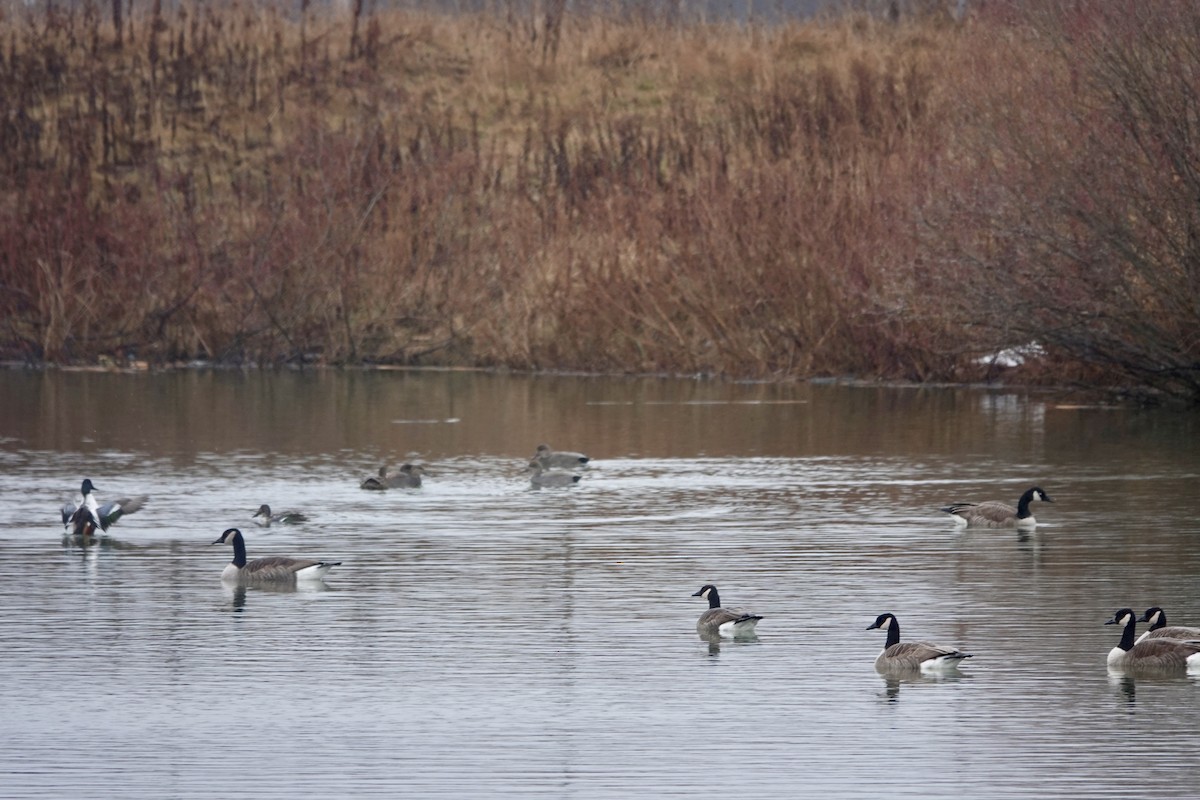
(1159,629)
(727,622)
(264,517)
(272,569)
(1154,654)
(85,517)
(541,478)
(551,459)
(994,514)
(408,477)
(376,482)
(904,656)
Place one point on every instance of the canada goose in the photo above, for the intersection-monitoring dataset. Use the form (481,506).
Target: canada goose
(408,477)
(264,517)
(272,569)
(922,656)
(727,622)
(542,478)
(1159,630)
(85,517)
(994,514)
(1163,655)
(550,459)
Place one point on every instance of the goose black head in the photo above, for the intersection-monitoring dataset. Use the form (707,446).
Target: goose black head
(1151,615)
(882,622)
(228,536)
(1121,617)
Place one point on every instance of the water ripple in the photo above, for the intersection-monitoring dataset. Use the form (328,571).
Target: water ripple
(484,639)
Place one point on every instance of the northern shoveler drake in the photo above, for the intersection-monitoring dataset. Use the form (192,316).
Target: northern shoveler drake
(86,516)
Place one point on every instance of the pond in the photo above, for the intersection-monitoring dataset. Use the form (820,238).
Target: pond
(482,639)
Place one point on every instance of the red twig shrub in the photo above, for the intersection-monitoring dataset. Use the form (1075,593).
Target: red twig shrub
(574,191)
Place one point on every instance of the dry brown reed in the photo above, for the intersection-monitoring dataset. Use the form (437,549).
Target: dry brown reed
(557,191)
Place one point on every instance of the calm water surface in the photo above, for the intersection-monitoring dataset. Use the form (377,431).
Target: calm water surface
(481,639)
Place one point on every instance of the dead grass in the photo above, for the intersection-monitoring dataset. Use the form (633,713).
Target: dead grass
(571,191)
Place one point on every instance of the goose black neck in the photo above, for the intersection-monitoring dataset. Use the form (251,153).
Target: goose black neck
(714,600)
(893,634)
(1127,637)
(1023,505)
(239,551)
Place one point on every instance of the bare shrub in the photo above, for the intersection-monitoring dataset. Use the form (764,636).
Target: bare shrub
(604,192)
(1070,216)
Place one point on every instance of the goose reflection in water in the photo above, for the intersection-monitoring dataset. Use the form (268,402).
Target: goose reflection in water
(1126,683)
(894,680)
(716,641)
(236,593)
(237,598)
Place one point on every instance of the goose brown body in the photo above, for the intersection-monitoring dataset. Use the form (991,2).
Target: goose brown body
(271,569)
(994,514)
(718,621)
(1160,630)
(1150,655)
(905,656)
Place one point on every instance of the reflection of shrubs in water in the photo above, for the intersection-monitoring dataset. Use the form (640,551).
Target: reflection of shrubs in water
(630,195)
